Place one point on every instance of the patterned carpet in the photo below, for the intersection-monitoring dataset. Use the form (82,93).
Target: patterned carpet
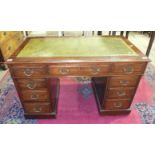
(146,108)
(81,109)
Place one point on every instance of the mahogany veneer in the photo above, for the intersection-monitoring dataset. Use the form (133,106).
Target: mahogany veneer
(114,78)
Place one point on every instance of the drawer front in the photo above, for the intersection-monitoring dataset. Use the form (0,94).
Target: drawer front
(129,68)
(29,71)
(35,95)
(116,104)
(95,69)
(124,81)
(120,92)
(31,83)
(37,108)
(79,70)
(63,71)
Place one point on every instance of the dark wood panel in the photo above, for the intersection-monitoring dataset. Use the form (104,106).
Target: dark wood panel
(99,85)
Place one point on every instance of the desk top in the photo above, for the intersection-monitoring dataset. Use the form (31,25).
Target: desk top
(76,47)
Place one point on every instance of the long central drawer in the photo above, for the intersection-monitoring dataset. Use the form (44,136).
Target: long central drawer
(79,70)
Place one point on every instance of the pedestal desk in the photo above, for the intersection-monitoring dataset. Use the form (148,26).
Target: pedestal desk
(114,64)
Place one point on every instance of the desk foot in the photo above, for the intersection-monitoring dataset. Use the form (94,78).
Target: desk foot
(114,112)
(40,116)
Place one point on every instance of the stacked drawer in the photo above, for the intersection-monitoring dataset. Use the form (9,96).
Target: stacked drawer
(122,86)
(9,42)
(33,88)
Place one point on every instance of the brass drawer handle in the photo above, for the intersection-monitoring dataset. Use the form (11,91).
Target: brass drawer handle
(64,71)
(95,70)
(124,82)
(28,71)
(37,109)
(31,85)
(121,93)
(34,97)
(118,104)
(128,69)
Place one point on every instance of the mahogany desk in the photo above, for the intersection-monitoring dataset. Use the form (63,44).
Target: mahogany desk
(114,63)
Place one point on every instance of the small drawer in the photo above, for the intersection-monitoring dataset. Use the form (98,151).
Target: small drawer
(129,68)
(35,95)
(120,92)
(91,70)
(31,83)
(28,71)
(63,70)
(123,81)
(37,108)
(116,104)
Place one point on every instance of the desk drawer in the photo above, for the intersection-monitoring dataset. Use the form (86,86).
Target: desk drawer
(37,108)
(116,104)
(31,83)
(29,71)
(120,92)
(35,95)
(92,70)
(63,70)
(79,70)
(124,81)
(129,68)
